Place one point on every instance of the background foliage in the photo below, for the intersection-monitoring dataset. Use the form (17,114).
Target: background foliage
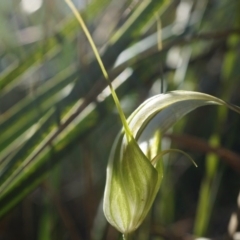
(57,121)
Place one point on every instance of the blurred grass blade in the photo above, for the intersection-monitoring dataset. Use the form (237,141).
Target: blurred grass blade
(48,122)
(50,47)
(210,183)
(139,19)
(30,173)
(23,115)
(208,190)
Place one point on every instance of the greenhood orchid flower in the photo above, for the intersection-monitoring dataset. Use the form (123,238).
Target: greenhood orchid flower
(133,179)
(132,185)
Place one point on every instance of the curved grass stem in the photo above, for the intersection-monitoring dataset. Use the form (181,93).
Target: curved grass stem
(91,42)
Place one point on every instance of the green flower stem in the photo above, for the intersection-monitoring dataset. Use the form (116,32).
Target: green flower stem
(128,236)
(104,71)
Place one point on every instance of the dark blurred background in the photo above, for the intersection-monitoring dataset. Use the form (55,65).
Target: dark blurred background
(58,121)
